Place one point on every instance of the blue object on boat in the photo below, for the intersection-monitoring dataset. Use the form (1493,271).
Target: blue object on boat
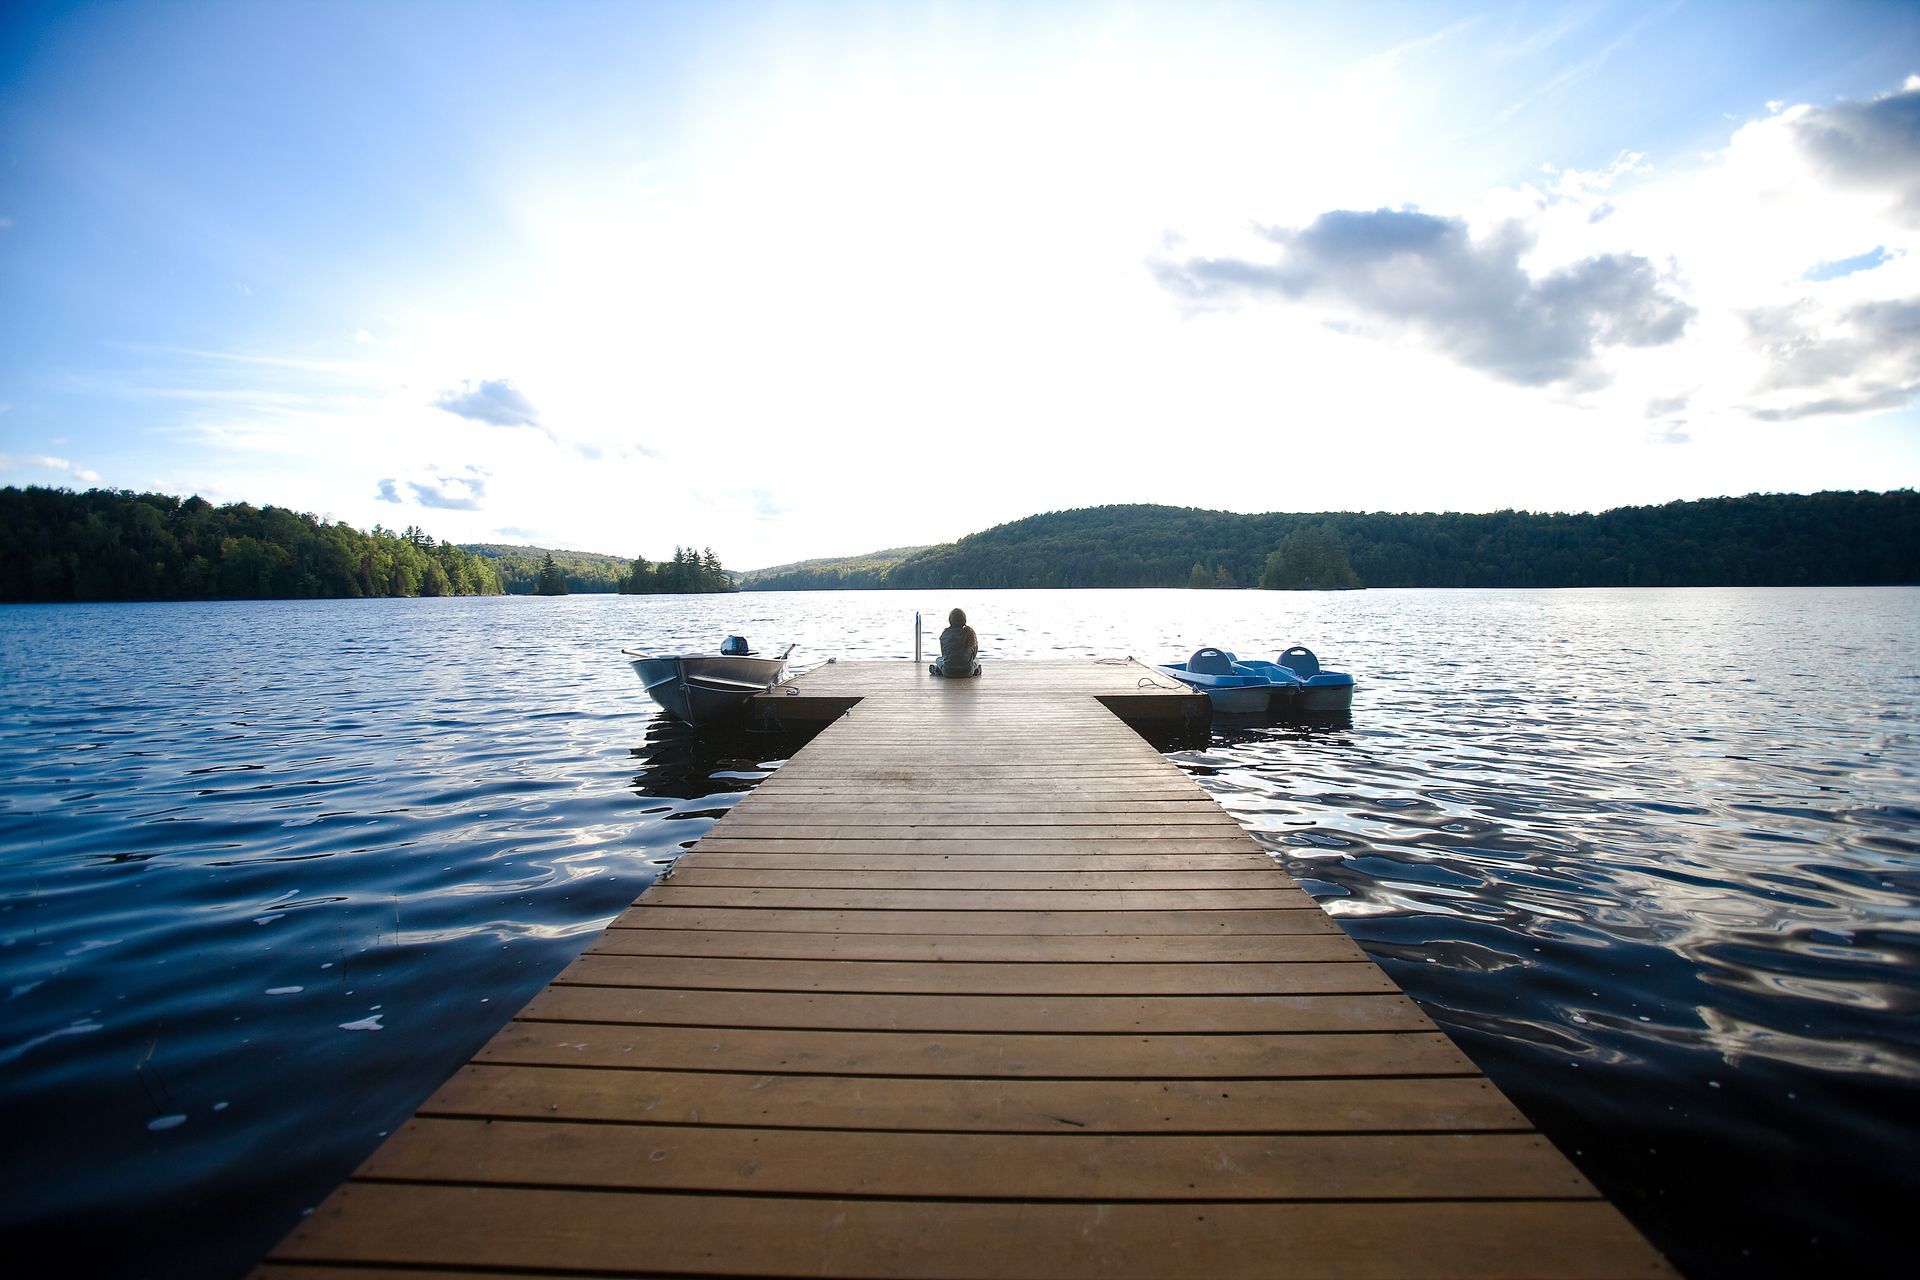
(735,647)
(1210,662)
(1301,660)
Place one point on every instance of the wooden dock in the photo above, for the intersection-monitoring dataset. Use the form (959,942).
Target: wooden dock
(977,985)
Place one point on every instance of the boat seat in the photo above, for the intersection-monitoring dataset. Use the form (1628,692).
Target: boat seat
(1210,662)
(1301,661)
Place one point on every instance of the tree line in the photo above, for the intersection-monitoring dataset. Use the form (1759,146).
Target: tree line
(1834,538)
(552,572)
(843,573)
(118,545)
(521,568)
(689,572)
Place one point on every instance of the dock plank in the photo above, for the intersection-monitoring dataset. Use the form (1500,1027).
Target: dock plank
(1288,917)
(987,1055)
(668,894)
(544,1231)
(703,874)
(1445,1104)
(1357,975)
(1105,949)
(984,858)
(971,1166)
(1034,1015)
(977,984)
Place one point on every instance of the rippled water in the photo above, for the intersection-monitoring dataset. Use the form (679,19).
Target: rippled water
(270,871)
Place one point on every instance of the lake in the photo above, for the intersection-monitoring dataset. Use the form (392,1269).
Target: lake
(270,871)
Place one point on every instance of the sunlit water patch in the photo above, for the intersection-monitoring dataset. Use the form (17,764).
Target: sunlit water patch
(270,872)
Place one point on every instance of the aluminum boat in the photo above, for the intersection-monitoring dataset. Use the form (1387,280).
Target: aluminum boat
(707,688)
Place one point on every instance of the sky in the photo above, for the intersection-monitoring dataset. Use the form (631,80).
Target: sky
(799,280)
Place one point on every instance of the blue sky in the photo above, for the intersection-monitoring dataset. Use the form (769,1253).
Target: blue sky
(813,279)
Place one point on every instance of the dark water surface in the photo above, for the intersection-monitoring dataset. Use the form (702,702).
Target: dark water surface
(269,872)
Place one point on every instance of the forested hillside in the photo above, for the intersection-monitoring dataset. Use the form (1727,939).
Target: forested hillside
(844,573)
(687,572)
(519,567)
(1757,540)
(108,545)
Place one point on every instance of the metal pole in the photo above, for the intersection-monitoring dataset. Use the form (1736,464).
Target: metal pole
(916,637)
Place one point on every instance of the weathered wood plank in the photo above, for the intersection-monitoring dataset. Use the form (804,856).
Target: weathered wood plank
(980,1056)
(702,874)
(1289,916)
(1024,948)
(620,1232)
(1448,1104)
(937,1166)
(1180,814)
(1357,975)
(1054,1015)
(1119,796)
(1165,833)
(668,894)
(1174,790)
(787,842)
(716,852)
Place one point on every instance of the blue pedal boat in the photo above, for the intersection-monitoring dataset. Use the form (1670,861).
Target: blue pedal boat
(1234,688)
(1250,686)
(1310,688)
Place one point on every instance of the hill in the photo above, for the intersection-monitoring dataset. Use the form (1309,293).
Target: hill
(108,544)
(1835,538)
(831,574)
(588,572)
(519,567)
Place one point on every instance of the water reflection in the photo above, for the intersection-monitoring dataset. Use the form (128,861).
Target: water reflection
(677,761)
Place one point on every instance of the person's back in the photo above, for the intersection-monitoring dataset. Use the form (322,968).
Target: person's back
(959,648)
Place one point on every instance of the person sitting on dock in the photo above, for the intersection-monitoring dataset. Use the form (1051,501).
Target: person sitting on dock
(959,649)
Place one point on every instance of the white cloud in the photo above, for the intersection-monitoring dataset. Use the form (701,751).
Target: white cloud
(48,462)
(496,402)
(1584,280)
(1468,296)
(362,336)
(1674,432)
(1859,359)
(451,492)
(1873,145)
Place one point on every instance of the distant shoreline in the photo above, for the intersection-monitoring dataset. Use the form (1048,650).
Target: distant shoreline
(1760,540)
(614,595)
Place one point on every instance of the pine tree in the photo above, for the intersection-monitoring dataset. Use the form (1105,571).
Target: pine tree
(640,579)
(552,582)
(1310,559)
